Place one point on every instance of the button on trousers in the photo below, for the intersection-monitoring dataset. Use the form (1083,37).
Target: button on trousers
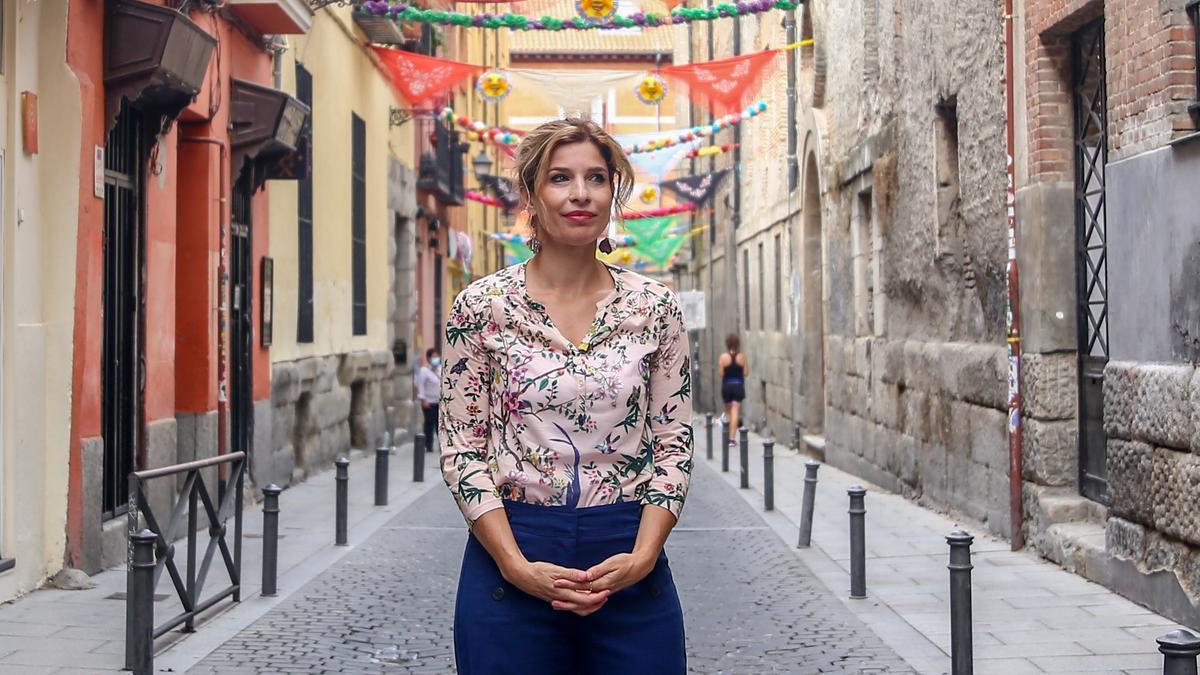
(501,630)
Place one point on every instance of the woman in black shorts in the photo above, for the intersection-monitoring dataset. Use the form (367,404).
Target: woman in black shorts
(734,369)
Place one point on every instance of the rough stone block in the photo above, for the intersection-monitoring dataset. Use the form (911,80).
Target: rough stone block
(989,437)
(1162,553)
(888,357)
(1177,494)
(333,407)
(906,449)
(914,405)
(941,420)
(980,375)
(862,356)
(1188,573)
(1050,385)
(967,484)
(1050,451)
(1194,410)
(921,367)
(835,356)
(931,460)
(92,451)
(1124,539)
(1131,480)
(285,383)
(1149,402)
(885,404)
(857,398)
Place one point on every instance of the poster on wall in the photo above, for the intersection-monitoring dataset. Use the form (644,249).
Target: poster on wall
(268,283)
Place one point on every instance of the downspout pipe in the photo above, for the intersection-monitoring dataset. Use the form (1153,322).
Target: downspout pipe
(1016,501)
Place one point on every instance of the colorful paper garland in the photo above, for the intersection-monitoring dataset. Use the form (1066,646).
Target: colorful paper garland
(596,11)
(655,213)
(402,11)
(651,89)
(478,131)
(685,135)
(493,86)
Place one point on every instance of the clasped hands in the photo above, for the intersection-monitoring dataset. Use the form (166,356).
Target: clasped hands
(580,591)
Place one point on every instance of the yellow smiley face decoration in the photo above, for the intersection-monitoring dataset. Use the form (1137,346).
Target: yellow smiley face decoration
(493,86)
(649,194)
(651,89)
(596,11)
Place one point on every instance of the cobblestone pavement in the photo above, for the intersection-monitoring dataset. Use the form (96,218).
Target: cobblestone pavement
(749,604)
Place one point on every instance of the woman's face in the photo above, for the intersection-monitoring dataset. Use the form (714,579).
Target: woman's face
(575,199)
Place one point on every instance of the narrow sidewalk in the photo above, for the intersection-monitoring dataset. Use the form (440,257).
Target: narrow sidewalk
(1030,616)
(61,632)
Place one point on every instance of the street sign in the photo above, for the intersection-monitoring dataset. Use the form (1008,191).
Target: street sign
(691,303)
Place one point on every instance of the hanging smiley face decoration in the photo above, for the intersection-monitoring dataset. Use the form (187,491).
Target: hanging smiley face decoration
(651,89)
(494,86)
(649,194)
(596,11)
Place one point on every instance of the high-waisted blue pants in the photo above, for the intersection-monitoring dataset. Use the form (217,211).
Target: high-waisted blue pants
(499,629)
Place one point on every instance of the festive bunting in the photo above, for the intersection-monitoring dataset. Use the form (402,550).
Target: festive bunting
(596,11)
(654,213)
(651,89)
(646,230)
(653,142)
(494,86)
(421,79)
(648,194)
(571,90)
(483,199)
(697,189)
(660,251)
(711,150)
(517,249)
(504,189)
(726,84)
(403,11)
(478,131)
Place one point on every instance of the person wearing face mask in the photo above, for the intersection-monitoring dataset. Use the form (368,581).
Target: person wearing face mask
(429,382)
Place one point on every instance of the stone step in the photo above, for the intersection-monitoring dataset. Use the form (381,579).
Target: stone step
(1067,506)
(815,446)
(1078,547)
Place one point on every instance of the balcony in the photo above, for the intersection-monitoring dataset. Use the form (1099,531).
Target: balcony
(274,17)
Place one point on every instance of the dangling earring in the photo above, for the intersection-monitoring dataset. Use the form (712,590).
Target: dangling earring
(534,243)
(606,246)
(525,219)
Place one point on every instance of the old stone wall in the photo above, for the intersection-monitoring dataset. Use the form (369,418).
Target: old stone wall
(324,406)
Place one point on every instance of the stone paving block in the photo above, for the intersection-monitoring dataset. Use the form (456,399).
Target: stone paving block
(1131,480)
(1176,486)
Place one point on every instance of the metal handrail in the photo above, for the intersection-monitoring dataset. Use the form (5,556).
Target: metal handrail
(139,640)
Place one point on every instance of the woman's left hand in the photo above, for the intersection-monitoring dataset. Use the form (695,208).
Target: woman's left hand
(614,574)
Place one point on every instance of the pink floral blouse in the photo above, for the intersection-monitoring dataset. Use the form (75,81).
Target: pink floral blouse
(528,416)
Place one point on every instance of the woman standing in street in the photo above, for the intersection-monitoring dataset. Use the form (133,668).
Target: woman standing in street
(566,432)
(733,368)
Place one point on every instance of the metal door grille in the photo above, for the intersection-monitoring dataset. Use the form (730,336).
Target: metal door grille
(1091,159)
(120,407)
(242,321)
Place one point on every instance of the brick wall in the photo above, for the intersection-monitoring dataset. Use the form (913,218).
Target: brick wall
(1150,77)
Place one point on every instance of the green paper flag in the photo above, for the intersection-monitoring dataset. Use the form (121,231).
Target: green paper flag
(649,229)
(661,251)
(518,250)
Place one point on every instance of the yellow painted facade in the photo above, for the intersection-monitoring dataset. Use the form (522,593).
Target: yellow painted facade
(345,82)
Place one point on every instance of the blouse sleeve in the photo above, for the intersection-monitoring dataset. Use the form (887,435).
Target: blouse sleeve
(464,410)
(671,411)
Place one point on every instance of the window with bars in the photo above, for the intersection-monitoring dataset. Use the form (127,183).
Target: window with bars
(358,222)
(304,219)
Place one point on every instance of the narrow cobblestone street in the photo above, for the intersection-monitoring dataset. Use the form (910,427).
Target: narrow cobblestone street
(750,605)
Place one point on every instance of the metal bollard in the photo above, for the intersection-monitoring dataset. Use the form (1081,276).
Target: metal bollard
(810,501)
(961,649)
(270,538)
(1179,649)
(858,542)
(419,458)
(708,432)
(768,475)
(744,452)
(796,437)
(381,471)
(342,478)
(724,447)
(139,623)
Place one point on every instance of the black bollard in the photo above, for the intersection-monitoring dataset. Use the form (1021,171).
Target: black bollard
(724,447)
(342,478)
(810,501)
(139,599)
(744,452)
(858,542)
(418,458)
(1179,649)
(708,432)
(381,471)
(768,475)
(961,649)
(270,538)
(796,437)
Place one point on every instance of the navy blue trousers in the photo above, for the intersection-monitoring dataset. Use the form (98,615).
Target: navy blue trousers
(499,629)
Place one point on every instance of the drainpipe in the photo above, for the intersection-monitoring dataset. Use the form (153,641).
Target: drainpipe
(1016,503)
(222,291)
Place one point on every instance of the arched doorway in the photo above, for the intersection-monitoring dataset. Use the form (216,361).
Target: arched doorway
(812,328)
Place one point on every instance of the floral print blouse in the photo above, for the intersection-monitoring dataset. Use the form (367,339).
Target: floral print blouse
(526,415)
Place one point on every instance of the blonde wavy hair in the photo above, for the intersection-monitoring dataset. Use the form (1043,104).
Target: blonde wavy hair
(533,157)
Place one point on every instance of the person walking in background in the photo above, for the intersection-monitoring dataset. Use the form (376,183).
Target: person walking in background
(567,435)
(734,369)
(429,383)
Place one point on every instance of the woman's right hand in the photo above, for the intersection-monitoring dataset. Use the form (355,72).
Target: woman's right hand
(537,579)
